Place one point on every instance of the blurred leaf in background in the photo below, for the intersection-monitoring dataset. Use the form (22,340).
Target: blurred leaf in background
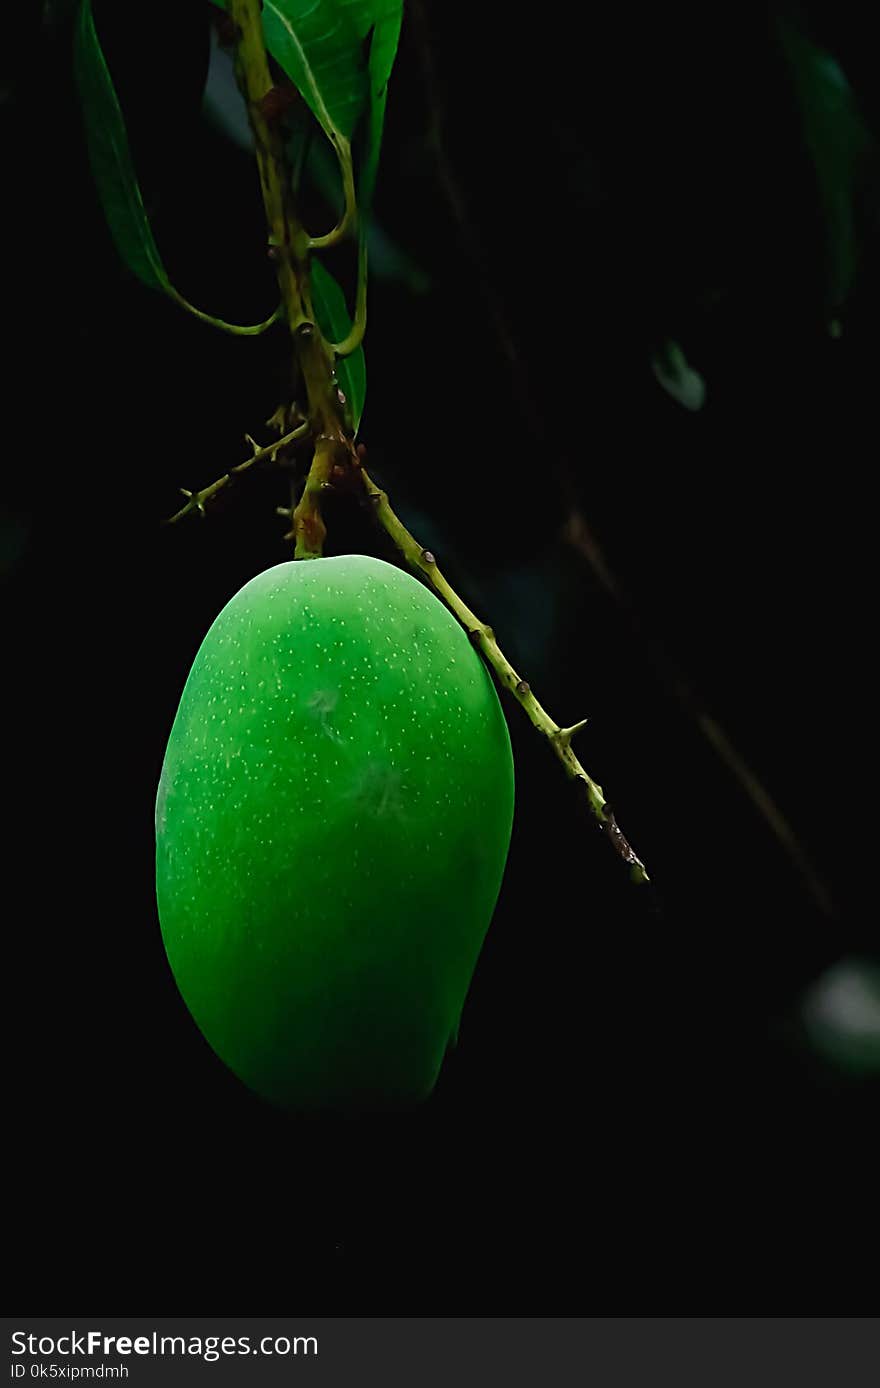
(677,377)
(836,141)
(841,1016)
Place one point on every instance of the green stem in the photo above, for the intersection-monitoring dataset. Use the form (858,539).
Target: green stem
(290,246)
(234,328)
(334,450)
(308,529)
(349,207)
(196,500)
(483,637)
(355,337)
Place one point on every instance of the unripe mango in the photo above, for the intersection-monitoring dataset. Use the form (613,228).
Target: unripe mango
(332,824)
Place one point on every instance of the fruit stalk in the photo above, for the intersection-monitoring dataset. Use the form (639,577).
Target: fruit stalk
(289,247)
(422,561)
(334,448)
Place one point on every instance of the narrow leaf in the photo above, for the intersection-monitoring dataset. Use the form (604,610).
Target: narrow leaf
(677,376)
(112,166)
(110,157)
(383,48)
(836,139)
(334,321)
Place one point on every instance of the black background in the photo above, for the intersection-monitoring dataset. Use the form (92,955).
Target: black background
(632,1108)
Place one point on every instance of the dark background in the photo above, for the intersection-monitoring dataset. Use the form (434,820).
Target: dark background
(635,1108)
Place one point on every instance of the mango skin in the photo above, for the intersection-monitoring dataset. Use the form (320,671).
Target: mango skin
(332,824)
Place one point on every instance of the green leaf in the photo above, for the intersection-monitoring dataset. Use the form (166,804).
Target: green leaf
(323,48)
(836,140)
(334,321)
(339,55)
(677,376)
(841,1015)
(323,54)
(110,157)
(383,50)
(112,166)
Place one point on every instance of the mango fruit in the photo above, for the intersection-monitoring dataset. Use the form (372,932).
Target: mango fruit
(332,824)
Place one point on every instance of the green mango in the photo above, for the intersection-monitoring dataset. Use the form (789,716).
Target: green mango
(332,825)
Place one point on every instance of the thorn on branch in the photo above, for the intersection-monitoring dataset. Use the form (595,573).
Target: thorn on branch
(195,502)
(283,419)
(564,735)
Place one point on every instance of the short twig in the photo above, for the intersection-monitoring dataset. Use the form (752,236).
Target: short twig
(196,500)
(483,637)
